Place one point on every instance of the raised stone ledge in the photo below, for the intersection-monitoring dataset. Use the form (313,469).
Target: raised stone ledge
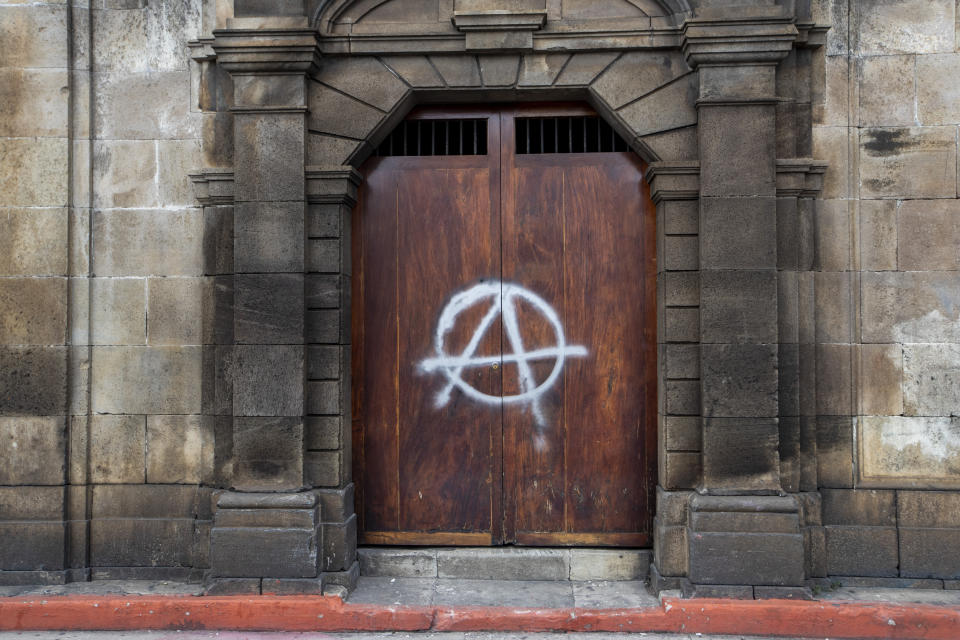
(674,180)
(234,500)
(332,184)
(212,186)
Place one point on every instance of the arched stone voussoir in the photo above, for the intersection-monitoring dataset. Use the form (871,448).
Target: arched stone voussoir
(499,70)
(364,78)
(417,71)
(669,107)
(673,145)
(638,73)
(336,113)
(458,70)
(583,68)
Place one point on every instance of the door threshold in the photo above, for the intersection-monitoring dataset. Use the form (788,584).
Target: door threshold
(506,563)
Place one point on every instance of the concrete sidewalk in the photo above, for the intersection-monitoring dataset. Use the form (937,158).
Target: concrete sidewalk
(441,607)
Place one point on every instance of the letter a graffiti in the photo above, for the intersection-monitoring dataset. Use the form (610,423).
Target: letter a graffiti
(502,298)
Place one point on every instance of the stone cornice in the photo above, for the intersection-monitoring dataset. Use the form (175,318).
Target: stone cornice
(799,177)
(674,180)
(212,186)
(267,50)
(333,184)
(725,38)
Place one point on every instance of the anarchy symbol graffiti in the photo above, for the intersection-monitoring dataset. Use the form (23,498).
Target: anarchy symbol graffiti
(502,298)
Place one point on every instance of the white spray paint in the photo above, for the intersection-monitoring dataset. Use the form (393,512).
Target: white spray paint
(503,298)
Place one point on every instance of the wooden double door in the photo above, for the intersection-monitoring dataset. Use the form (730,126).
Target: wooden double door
(504,350)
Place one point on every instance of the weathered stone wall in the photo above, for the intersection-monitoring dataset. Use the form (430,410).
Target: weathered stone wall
(887,285)
(118,418)
(102,293)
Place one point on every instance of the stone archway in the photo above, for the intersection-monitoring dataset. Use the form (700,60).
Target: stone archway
(717,104)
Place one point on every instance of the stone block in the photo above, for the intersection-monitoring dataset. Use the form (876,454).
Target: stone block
(268,308)
(323,255)
(937,97)
(33,380)
(859,507)
(268,380)
(34,451)
(831,145)
(118,311)
(878,235)
(365,78)
(269,168)
(881,379)
(681,253)
(270,518)
(31,172)
(737,150)
(326,362)
(268,237)
(920,452)
(144,40)
(788,234)
(671,550)
(682,361)
(457,71)
(323,326)
(322,468)
(32,546)
(909,162)
(268,454)
(178,449)
(834,293)
(34,242)
(178,157)
(910,307)
(398,563)
(141,542)
(124,174)
(582,68)
(833,235)
(33,310)
(335,113)
(835,379)
(928,509)
(278,91)
(681,288)
(888,91)
(636,74)
(232,587)
(905,26)
(679,144)
(112,501)
(117,449)
(738,233)
(834,110)
(740,454)
(861,551)
(928,235)
(681,217)
(322,433)
(330,150)
(681,470)
(682,325)
(609,564)
(336,505)
(176,308)
(503,563)
(682,397)
(835,451)
(682,433)
(774,559)
(739,380)
(292,586)
(144,106)
(147,242)
(339,545)
(670,107)
(738,306)
(788,375)
(142,380)
(34,103)
(725,591)
(415,70)
(31,503)
(931,379)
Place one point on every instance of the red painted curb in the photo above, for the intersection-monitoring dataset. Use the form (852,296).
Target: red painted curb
(314,613)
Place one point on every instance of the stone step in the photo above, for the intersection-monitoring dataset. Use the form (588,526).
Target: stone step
(505,563)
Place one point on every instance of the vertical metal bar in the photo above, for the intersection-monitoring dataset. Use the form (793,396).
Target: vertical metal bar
(542,135)
(476,150)
(556,135)
(446,138)
(419,152)
(526,128)
(570,135)
(584,119)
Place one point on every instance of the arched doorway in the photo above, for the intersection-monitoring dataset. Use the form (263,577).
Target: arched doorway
(504,332)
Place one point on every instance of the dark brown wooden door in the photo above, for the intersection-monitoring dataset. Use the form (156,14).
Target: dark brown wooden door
(504,350)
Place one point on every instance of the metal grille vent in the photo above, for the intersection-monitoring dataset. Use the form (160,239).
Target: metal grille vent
(461,137)
(567,134)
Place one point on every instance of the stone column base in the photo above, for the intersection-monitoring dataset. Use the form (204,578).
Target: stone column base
(265,543)
(745,541)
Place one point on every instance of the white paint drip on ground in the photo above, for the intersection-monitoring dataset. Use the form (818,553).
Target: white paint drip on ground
(503,298)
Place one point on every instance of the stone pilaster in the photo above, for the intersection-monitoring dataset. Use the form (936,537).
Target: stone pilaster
(331,196)
(268,59)
(741,532)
